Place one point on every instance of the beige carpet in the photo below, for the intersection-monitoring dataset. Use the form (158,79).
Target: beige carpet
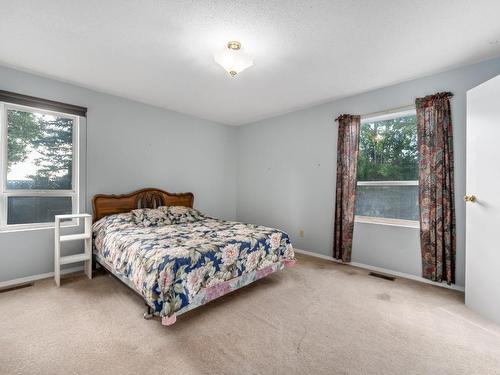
(317,318)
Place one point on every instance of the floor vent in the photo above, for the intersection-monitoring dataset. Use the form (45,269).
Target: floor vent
(380,276)
(15,287)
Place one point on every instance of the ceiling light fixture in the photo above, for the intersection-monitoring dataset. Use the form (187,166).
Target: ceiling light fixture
(233,59)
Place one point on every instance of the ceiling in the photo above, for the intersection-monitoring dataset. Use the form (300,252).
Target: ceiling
(306,52)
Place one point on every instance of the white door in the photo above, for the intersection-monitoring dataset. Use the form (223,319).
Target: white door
(482,279)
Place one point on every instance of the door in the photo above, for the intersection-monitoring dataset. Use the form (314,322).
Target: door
(482,276)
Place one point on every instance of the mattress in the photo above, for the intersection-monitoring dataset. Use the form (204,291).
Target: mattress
(177,266)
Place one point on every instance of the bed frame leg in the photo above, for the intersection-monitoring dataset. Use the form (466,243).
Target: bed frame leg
(148,314)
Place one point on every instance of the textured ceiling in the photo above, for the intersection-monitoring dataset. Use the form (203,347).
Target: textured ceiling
(306,52)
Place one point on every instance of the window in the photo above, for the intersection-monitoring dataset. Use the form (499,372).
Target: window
(39,166)
(387,190)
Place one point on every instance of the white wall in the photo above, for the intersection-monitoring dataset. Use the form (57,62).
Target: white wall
(286,171)
(129,146)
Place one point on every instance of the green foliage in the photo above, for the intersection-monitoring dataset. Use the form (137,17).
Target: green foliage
(51,138)
(388,150)
(56,146)
(23,130)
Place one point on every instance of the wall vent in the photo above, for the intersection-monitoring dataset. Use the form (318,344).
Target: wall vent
(381,276)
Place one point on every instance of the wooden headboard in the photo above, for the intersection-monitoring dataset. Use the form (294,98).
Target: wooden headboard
(104,205)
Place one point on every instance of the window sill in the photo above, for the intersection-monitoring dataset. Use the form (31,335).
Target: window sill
(387,221)
(29,228)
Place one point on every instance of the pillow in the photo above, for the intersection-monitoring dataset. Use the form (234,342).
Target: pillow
(181,214)
(150,217)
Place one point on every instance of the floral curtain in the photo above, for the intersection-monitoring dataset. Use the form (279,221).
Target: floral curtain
(436,189)
(347,165)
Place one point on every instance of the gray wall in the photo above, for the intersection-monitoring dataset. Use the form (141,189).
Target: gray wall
(278,172)
(286,171)
(129,146)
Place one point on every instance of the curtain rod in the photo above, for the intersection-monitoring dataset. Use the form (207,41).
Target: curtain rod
(397,109)
(388,111)
(381,113)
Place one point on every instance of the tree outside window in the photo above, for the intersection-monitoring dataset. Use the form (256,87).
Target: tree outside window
(38,180)
(388,167)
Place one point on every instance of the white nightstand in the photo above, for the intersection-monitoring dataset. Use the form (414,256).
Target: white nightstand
(86,256)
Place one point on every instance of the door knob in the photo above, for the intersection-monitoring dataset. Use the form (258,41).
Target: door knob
(470,198)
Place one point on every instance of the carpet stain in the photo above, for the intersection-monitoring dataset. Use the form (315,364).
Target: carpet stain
(302,337)
(384,297)
(350,272)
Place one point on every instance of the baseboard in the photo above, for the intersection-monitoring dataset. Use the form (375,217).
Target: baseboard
(29,279)
(383,270)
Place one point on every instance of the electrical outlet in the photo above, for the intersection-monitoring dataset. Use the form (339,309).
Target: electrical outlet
(301,233)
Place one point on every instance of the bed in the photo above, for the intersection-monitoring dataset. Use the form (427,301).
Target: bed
(177,258)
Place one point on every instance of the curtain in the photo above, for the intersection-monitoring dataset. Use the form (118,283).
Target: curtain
(347,166)
(436,189)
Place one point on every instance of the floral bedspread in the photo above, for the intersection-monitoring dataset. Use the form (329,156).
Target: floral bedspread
(170,264)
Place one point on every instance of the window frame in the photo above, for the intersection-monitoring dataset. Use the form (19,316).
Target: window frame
(381,116)
(5,193)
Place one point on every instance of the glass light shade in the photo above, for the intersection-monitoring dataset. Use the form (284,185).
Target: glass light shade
(234,61)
